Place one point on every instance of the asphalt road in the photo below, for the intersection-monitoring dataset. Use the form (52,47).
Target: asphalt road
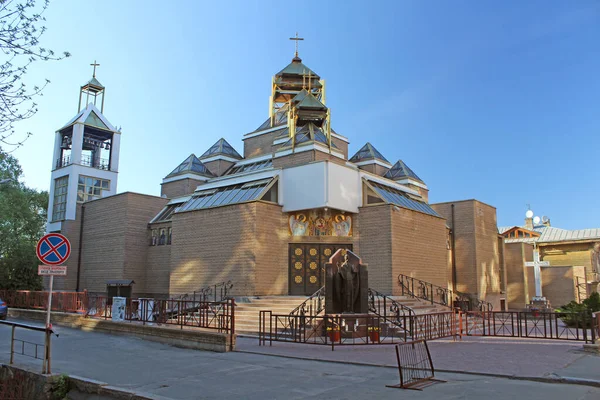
(162,370)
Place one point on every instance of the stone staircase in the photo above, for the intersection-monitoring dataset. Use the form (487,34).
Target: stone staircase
(246,312)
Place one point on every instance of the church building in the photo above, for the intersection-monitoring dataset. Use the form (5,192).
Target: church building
(267,217)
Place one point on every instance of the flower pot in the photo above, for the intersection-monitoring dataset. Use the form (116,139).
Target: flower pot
(374,336)
(334,336)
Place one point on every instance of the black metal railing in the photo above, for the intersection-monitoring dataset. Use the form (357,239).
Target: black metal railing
(217,292)
(312,306)
(99,163)
(531,324)
(435,294)
(63,161)
(391,311)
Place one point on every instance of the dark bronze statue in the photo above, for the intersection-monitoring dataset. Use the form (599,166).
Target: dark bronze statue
(346,284)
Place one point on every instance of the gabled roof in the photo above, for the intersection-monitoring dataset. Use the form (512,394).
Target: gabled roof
(550,234)
(191,165)
(368,152)
(90,116)
(401,170)
(221,147)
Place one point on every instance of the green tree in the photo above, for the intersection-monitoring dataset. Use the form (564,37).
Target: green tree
(22,223)
(21,28)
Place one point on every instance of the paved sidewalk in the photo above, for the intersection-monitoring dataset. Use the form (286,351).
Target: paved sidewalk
(519,357)
(168,372)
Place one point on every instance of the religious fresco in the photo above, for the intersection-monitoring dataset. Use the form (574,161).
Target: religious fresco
(320,223)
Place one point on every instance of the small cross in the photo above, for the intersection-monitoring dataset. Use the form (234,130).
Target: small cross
(296,39)
(95,65)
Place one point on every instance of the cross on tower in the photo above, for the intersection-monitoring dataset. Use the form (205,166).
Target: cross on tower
(95,65)
(296,39)
(537,271)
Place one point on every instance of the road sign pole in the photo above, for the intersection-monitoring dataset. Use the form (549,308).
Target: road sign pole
(49,301)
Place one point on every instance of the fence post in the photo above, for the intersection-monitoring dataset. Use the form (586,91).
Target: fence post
(12,345)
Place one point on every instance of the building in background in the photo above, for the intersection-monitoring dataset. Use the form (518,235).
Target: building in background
(574,257)
(266,218)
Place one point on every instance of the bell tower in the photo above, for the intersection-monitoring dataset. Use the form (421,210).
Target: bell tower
(85,164)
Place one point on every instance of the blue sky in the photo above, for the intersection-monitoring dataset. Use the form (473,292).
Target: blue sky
(496,101)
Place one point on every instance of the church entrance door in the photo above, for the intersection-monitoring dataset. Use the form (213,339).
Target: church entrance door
(307,266)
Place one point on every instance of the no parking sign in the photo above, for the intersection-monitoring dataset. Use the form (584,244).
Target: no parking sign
(53,249)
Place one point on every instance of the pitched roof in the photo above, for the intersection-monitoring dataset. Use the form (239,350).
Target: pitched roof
(90,116)
(310,101)
(551,234)
(368,152)
(401,170)
(221,147)
(297,68)
(191,165)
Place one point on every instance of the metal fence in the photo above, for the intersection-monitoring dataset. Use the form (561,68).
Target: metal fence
(219,315)
(29,348)
(540,325)
(38,300)
(360,329)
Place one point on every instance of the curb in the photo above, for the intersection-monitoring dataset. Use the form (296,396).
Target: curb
(556,380)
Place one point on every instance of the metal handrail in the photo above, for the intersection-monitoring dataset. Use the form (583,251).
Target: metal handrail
(439,295)
(380,304)
(312,306)
(203,294)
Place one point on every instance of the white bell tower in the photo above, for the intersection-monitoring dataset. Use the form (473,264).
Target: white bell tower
(85,164)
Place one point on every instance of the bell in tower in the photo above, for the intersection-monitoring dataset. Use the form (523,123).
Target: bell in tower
(86,157)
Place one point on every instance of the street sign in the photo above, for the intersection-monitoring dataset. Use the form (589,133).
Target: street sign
(53,249)
(52,270)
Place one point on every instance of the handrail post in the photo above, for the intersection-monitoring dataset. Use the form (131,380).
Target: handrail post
(12,345)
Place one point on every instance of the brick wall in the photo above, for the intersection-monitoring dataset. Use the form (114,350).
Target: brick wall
(115,239)
(218,167)
(294,159)
(463,230)
(419,247)
(375,245)
(579,254)
(259,145)
(519,280)
(341,145)
(140,210)
(271,250)
(158,269)
(212,246)
(397,240)
(179,188)
(475,231)
(559,284)
(320,156)
(368,167)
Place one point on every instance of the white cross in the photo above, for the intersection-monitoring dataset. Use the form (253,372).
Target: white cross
(537,271)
